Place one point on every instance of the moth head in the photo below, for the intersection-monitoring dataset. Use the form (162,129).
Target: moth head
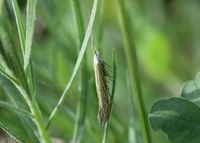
(97,57)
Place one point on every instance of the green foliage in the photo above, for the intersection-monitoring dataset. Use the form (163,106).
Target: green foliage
(106,127)
(10,133)
(20,24)
(15,109)
(191,90)
(42,49)
(131,57)
(179,117)
(31,16)
(78,62)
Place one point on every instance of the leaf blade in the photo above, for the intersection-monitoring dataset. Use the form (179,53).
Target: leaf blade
(178,118)
(191,90)
(78,62)
(20,24)
(10,107)
(31,16)
(10,133)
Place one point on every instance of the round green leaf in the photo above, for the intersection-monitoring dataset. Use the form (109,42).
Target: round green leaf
(191,90)
(178,118)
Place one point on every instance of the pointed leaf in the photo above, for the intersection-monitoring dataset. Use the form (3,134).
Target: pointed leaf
(13,59)
(5,71)
(20,24)
(78,62)
(10,133)
(31,16)
(15,109)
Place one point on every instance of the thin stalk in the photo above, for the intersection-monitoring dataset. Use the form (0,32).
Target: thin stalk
(100,26)
(131,57)
(132,119)
(25,88)
(36,116)
(106,127)
(44,137)
(78,62)
(81,106)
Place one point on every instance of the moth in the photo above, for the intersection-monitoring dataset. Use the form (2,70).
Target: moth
(101,81)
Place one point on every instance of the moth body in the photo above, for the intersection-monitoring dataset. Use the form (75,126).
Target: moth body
(103,93)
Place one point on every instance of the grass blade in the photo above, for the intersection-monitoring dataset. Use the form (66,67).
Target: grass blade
(106,127)
(101,26)
(131,57)
(10,133)
(28,128)
(82,101)
(5,70)
(79,19)
(20,24)
(78,62)
(14,109)
(31,16)
(12,59)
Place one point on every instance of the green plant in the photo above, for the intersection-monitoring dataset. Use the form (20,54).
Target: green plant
(131,56)
(47,82)
(16,66)
(178,117)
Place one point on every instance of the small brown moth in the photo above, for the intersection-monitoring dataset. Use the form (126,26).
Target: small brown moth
(101,80)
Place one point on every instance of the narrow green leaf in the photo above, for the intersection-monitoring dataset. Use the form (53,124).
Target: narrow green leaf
(27,124)
(79,19)
(78,62)
(178,118)
(191,90)
(20,24)
(131,57)
(5,70)
(101,26)
(106,127)
(83,82)
(15,109)
(10,133)
(31,16)
(12,60)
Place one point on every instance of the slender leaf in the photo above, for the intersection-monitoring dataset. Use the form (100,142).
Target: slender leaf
(27,125)
(10,133)
(31,16)
(106,127)
(5,70)
(20,24)
(101,26)
(83,94)
(13,60)
(131,57)
(78,62)
(14,109)
(178,118)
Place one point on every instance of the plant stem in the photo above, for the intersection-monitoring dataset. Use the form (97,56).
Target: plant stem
(105,133)
(106,127)
(37,117)
(100,27)
(81,106)
(78,62)
(44,137)
(26,88)
(130,52)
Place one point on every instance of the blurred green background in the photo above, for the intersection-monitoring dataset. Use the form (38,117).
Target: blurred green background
(167,39)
